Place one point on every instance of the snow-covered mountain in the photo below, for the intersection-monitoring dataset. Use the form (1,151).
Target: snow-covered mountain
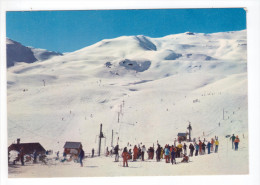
(16,52)
(145,89)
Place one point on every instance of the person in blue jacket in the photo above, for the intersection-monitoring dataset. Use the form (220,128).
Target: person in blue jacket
(197,149)
(208,146)
(173,153)
(166,153)
(81,156)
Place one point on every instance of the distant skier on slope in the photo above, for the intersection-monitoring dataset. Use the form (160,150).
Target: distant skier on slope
(233,137)
(236,141)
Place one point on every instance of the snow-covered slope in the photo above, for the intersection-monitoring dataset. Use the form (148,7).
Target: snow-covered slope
(16,52)
(145,89)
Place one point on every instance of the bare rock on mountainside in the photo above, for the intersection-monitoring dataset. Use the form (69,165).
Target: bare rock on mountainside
(16,52)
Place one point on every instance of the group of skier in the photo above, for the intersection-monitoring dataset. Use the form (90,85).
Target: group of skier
(169,152)
(235,141)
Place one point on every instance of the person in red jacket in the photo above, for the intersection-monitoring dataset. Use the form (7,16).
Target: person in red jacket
(135,150)
(236,141)
(212,144)
(125,156)
(200,147)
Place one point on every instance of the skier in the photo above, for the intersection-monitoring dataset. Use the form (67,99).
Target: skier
(158,153)
(152,152)
(236,141)
(81,156)
(197,149)
(116,153)
(130,154)
(191,147)
(64,154)
(143,151)
(203,146)
(149,153)
(209,147)
(173,153)
(185,159)
(179,149)
(93,151)
(185,148)
(216,145)
(212,143)
(34,156)
(161,155)
(200,147)
(125,156)
(135,150)
(22,156)
(166,153)
(233,139)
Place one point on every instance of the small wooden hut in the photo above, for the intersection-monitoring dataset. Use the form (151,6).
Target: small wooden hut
(182,137)
(72,147)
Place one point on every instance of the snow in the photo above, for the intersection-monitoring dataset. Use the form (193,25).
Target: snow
(151,83)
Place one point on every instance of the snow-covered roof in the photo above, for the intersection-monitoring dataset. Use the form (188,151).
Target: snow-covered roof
(72,145)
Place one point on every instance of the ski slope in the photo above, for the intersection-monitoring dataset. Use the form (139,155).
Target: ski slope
(144,89)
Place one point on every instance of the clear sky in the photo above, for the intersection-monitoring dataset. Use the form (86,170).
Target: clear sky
(66,31)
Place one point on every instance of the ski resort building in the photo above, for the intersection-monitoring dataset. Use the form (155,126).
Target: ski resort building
(28,148)
(72,147)
(182,136)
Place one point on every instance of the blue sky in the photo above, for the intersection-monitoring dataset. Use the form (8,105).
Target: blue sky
(66,31)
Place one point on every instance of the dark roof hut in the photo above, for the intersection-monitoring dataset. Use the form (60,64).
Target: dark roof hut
(28,148)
